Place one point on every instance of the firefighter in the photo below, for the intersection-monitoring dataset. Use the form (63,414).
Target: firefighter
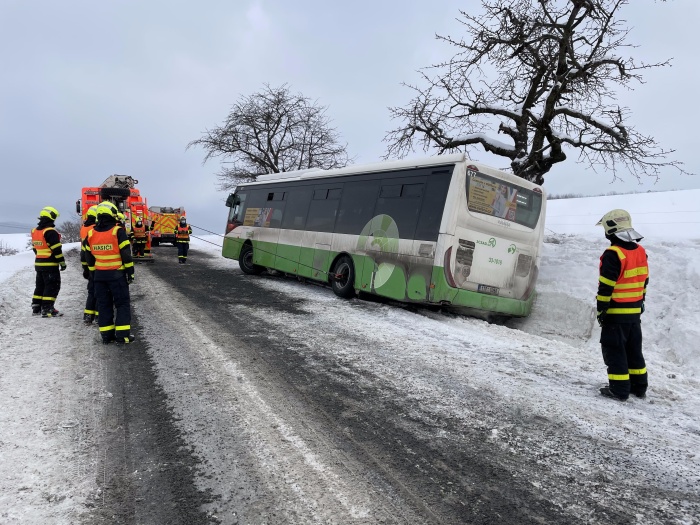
(108,254)
(622,285)
(182,235)
(139,238)
(46,244)
(90,310)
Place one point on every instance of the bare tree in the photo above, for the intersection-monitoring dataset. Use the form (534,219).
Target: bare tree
(70,231)
(272,131)
(541,73)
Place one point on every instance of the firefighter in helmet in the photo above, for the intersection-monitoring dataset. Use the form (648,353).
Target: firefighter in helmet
(622,286)
(108,254)
(90,310)
(182,236)
(46,244)
(139,237)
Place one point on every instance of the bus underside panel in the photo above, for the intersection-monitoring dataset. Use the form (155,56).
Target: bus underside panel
(398,276)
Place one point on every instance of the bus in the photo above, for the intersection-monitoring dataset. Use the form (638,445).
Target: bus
(443,231)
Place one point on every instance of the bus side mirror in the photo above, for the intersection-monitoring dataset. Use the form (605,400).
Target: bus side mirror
(231,200)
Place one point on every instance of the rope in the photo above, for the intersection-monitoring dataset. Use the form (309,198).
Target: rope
(330,274)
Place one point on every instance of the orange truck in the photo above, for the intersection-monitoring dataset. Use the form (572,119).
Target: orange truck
(122,191)
(164,221)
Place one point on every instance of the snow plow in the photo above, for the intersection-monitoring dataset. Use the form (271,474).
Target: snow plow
(164,220)
(122,191)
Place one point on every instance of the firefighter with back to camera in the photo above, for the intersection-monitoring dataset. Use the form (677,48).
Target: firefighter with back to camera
(622,286)
(108,254)
(90,310)
(46,244)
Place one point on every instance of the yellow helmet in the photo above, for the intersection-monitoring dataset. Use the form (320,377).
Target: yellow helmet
(92,211)
(120,216)
(107,208)
(50,212)
(619,224)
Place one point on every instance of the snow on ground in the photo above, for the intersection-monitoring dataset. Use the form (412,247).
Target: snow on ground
(549,362)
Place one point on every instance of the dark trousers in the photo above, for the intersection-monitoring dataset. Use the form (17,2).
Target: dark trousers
(48,284)
(182,248)
(91,301)
(622,352)
(139,247)
(111,295)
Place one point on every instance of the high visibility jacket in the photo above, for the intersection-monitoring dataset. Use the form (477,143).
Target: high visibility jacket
(182,233)
(621,293)
(48,250)
(139,232)
(85,229)
(104,246)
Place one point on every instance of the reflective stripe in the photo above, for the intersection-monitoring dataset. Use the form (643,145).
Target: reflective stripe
(627,295)
(624,310)
(604,280)
(603,298)
(46,264)
(48,298)
(613,377)
(123,327)
(106,328)
(637,371)
(634,272)
(619,252)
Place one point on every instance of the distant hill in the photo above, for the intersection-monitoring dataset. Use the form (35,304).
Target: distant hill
(15,227)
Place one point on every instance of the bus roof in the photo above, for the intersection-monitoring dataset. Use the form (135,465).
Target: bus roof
(439,160)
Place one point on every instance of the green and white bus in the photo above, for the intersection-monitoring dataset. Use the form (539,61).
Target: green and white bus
(438,231)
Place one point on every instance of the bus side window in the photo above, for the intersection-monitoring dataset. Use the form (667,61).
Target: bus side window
(323,209)
(276,201)
(431,212)
(297,208)
(357,206)
(401,200)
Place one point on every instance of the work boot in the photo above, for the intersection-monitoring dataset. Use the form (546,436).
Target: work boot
(107,340)
(606,392)
(51,312)
(36,309)
(88,318)
(125,339)
(641,394)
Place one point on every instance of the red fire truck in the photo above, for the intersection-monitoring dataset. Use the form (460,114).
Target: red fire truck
(122,191)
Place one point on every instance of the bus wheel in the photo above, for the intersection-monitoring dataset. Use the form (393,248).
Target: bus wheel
(245,261)
(343,282)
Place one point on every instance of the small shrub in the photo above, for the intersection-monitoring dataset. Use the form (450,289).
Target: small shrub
(6,250)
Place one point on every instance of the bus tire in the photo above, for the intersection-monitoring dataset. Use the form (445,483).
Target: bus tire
(343,282)
(245,261)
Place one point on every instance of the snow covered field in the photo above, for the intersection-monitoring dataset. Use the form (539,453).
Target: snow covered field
(549,362)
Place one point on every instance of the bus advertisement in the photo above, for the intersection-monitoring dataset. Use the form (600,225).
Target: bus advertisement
(442,231)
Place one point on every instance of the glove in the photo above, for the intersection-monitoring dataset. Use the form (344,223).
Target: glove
(642,306)
(86,273)
(601,317)
(130,279)
(63,266)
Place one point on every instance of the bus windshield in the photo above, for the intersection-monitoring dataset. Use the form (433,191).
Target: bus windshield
(503,200)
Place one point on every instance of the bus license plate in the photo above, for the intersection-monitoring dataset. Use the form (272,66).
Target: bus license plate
(491,290)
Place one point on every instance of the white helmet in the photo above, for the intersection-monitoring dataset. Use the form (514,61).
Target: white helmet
(619,224)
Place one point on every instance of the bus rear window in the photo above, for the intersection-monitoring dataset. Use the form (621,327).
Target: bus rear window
(503,200)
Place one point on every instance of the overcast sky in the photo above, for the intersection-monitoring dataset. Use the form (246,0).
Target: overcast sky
(91,88)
